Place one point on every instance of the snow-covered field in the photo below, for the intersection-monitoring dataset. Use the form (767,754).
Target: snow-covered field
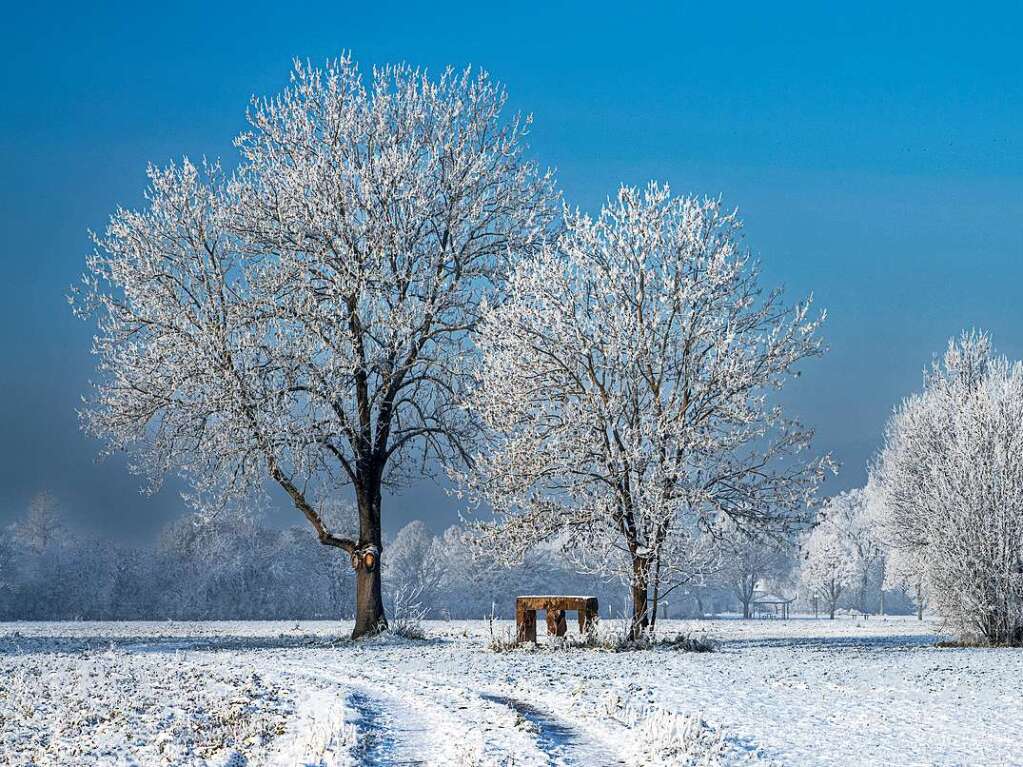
(801,692)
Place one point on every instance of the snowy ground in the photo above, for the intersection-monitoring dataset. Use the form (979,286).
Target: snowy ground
(802,692)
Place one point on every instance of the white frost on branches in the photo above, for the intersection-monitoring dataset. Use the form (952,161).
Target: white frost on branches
(859,524)
(749,564)
(951,476)
(416,564)
(625,383)
(850,550)
(308,319)
(830,564)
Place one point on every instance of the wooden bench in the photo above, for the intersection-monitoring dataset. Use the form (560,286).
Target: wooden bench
(555,607)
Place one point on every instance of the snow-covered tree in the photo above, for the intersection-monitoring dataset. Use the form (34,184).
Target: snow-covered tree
(951,475)
(829,562)
(42,525)
(415,563)
(624,385)
(307,320)
(748,562)
(857,523)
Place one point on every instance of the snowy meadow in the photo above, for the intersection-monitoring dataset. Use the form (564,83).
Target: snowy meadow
(851,691)
(385,286)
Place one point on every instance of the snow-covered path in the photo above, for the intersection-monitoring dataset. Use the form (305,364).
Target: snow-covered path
(421,717)
(393,725)
(561,743)
(797,693)
(386,733)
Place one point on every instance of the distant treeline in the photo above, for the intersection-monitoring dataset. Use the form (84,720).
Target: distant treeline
(237,568)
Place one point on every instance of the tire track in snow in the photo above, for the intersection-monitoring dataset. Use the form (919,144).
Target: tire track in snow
(382,741)
(417,722)
(563,744)
(552,741)
(388,724)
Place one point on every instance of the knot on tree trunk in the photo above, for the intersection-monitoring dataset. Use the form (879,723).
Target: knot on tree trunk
(366,557)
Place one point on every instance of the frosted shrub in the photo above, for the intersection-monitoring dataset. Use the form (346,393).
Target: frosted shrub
(663,737)
(408,614)
(684,739)
(609,636)
(502,640)
(689,643)
(950,476)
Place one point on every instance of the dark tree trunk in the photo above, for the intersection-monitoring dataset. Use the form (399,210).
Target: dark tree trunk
(369,601)
(746,589)
(655,601)
(640,614)
(834,594)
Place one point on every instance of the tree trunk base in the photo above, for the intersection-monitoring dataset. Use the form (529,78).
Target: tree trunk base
(369,603)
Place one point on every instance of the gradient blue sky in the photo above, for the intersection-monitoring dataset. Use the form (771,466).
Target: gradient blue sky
(875,153)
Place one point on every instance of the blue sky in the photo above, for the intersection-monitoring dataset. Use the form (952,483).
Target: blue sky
(874,152)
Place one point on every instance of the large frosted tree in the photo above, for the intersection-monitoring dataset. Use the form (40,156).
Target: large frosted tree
(306,320)
(950,476)
(625,385)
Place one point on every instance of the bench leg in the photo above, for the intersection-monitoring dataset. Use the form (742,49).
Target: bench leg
(556,624)
(560,624)
(525,624)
